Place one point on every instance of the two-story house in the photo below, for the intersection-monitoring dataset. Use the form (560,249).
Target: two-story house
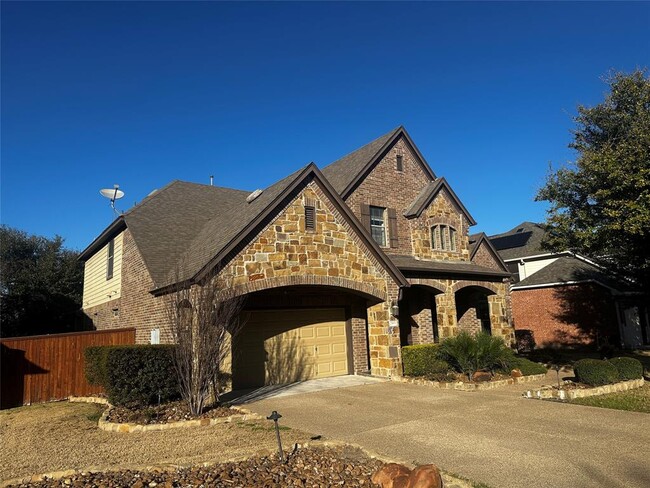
(565,299)
(348,264)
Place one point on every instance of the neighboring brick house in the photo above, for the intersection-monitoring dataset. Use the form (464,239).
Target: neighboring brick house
(564,299)
(355,261)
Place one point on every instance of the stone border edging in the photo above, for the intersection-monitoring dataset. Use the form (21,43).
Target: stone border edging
(459,385)
(449,480)
(583,392)
(104,424)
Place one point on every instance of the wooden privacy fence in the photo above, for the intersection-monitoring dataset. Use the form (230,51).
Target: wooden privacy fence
(51,367)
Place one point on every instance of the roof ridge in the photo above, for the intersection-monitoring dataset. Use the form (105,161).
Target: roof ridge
(389,133)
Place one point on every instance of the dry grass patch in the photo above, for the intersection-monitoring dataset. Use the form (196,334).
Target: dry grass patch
(58,436)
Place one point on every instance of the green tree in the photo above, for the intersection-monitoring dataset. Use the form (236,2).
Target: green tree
(41,284)
(600,204)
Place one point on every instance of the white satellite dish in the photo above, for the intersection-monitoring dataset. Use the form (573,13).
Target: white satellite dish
(112,194)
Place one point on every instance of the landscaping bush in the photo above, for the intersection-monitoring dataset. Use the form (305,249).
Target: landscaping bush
(95,365)
(595,372)
(134,375)
(423,360)
(628,368)
(468,354)
(526,366)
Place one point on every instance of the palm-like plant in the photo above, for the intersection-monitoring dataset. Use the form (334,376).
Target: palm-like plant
(467,353)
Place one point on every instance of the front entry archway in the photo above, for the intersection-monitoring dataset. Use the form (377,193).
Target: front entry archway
(473,309)
(418,318)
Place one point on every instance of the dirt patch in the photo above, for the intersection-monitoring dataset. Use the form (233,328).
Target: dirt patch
(165,413)
(58,436)
(305,467)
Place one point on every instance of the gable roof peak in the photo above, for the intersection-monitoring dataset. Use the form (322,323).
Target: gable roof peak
(346,172)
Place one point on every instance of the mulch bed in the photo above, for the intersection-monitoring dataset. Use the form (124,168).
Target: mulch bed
(165,413)
(309,467)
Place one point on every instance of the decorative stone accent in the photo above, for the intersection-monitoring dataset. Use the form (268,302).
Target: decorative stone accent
(98,400)
(553,393)
(459,385)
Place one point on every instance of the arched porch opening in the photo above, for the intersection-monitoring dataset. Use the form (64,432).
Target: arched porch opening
(418,317)
(473,309)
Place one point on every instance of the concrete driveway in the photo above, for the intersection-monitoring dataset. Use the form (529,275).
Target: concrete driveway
(497,437)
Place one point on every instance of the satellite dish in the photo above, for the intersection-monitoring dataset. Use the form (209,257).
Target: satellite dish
(112,194)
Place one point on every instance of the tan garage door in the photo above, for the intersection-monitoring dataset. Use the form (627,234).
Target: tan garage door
(284,346)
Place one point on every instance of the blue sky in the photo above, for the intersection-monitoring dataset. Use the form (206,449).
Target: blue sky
(143,93)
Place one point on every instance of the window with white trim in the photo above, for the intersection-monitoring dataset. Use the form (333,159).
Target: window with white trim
(378,225)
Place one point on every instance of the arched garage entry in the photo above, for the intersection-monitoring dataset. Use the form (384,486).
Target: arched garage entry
(300,332)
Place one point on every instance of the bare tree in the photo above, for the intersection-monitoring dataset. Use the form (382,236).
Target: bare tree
(203,321)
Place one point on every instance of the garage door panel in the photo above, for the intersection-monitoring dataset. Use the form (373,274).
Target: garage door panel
(294,344)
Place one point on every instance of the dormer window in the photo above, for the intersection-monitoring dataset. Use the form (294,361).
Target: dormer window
(378,225)
(443,238)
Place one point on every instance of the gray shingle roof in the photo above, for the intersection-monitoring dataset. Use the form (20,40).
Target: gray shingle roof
(568,268)
(223,227)
(343,171)
(521,241)
(165,223)
(409,263)
(427,195)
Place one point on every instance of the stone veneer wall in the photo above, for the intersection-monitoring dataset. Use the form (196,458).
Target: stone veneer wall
(440,211)
(284,253)
(386,187)
(446,306)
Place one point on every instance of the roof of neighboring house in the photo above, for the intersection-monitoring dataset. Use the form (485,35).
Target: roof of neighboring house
(427,195)
(520,241)
(409,263)
(567,269)
(344,173)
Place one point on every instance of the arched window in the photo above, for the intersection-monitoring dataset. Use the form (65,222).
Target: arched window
(443,238)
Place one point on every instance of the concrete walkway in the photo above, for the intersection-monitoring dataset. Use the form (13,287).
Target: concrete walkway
(497,436)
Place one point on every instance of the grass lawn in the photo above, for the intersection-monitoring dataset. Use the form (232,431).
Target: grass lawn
(634,400)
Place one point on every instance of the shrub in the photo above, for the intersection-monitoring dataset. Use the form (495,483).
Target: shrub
(595,372)
(134,375)
(95,365)
(628,368)
(526,366)
(423,360)
(468,354)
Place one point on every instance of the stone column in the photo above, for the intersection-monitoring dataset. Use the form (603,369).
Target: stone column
(385,353)
(499,316)
(446,311)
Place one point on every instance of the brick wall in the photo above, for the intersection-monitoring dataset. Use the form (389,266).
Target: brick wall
(137,307)
(565,315)
(484,257)
(386,187)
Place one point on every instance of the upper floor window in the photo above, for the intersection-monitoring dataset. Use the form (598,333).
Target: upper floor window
(443,237)
(399,163)
(378,225)
(110,259)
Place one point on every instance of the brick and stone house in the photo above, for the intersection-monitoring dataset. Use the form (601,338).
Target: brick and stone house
(345,265)
(565,299)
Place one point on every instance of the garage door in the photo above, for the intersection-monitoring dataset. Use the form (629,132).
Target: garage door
(284,346)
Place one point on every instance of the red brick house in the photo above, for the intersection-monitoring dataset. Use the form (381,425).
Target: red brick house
(355,261)
(564,299)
